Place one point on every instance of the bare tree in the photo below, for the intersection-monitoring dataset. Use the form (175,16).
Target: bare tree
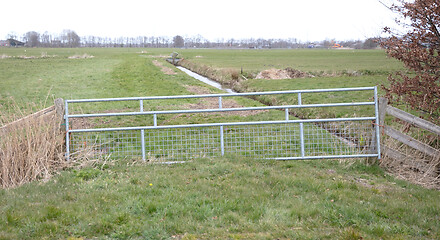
(70,38)
(32,39)
(178,41)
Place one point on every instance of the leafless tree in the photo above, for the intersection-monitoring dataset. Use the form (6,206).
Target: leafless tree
(70,38)
(32,39)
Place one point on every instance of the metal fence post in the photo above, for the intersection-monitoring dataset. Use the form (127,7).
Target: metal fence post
(222,139)
(141,104)
(301,129)
(66,108)
(376,108)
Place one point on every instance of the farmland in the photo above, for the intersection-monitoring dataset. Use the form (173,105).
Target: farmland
(229,197)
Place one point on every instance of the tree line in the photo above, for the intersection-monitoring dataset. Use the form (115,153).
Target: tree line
(69,38)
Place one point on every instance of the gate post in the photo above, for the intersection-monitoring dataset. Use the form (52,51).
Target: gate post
(301,129)
(66,109)
(222,139)
(141,106)
(380,108)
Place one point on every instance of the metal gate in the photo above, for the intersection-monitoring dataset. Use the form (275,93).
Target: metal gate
(288,138)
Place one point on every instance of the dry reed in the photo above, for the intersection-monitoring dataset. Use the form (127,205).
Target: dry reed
(416,167)
(30,149)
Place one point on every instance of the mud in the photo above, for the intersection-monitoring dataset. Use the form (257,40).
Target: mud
(287,73)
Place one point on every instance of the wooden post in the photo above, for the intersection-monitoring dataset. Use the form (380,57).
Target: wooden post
(383,104)
(59,112)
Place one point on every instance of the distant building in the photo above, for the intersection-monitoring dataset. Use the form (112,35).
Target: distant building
(11,43)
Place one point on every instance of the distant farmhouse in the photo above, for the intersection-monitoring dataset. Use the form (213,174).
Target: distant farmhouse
(11,43)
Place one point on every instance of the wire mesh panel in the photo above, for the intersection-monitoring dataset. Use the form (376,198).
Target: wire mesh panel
(263,141)
(182,143)
(114,144)
(274,140)
(337,138)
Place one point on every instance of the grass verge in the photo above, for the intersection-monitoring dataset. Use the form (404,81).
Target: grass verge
(231,198)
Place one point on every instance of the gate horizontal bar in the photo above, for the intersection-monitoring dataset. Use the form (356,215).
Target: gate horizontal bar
(325,157)
(221,124)
(221,95)
(221,109)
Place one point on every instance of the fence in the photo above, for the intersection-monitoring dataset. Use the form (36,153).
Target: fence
(57,109)
(284,139)
(384,109)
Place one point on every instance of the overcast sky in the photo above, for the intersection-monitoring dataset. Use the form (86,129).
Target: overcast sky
(306,20)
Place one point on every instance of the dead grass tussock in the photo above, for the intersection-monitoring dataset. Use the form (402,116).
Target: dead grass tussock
(30,150)
(416,167)
(43,55)
(79,56)
(159,56)
(287,73)
(33,148)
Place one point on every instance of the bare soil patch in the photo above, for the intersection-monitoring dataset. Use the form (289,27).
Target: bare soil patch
(81,123)
(206,103)
(163,68)
(159,56)
(43,55)
(198,89)
(287,73)
(212,103)
(83,56)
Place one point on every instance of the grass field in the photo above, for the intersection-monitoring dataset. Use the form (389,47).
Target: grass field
(223,198)
(331,68)
(315,61)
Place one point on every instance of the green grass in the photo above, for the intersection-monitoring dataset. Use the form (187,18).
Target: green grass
(111,73)
(228,197)
(308,60)
(332,68)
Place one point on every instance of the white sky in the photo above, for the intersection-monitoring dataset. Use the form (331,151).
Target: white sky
(306,20)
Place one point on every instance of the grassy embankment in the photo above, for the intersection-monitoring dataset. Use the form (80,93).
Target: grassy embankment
(208,198)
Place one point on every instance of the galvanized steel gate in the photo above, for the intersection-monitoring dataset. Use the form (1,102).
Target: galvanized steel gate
(284,139)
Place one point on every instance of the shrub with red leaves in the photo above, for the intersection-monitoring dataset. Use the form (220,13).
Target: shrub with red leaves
(418,49)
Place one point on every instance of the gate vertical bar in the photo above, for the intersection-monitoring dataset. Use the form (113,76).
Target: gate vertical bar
(376,108)
(287,114)
(141,104)
(301,129)
(222,139)
(66,116)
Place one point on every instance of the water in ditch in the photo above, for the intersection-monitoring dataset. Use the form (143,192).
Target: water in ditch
(204,79)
